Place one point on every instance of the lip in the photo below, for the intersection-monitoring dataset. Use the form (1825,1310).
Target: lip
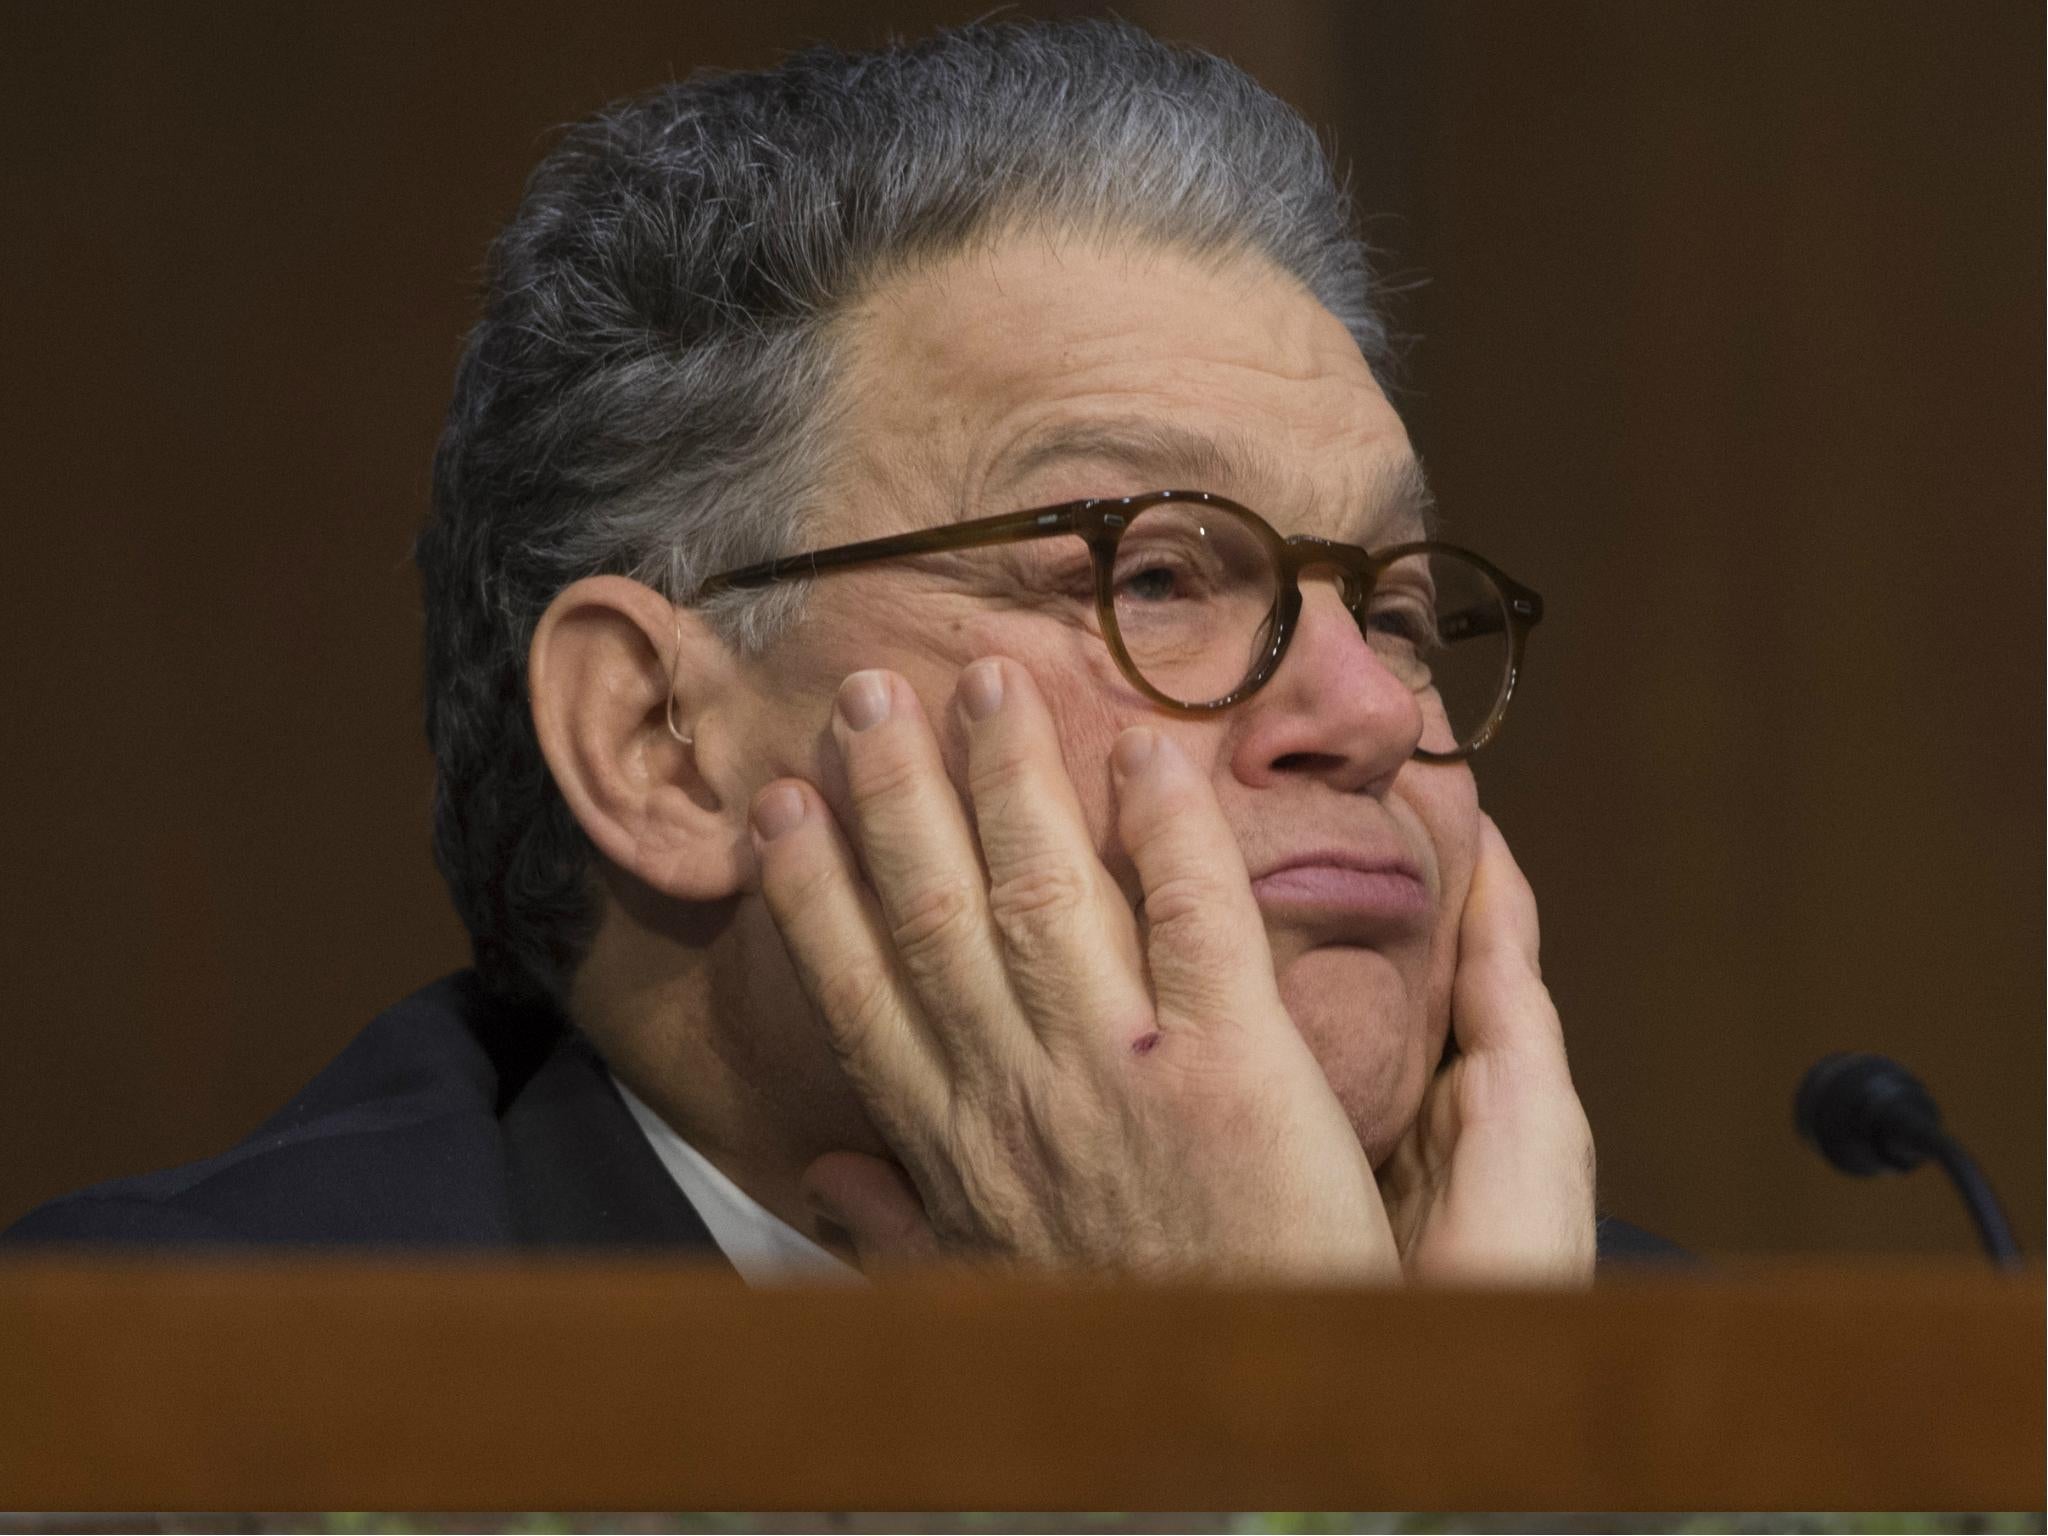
(1362,896)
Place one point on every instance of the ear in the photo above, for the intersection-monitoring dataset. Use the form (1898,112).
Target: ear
(598,677)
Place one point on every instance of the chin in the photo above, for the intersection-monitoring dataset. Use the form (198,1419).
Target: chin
(1367,1022)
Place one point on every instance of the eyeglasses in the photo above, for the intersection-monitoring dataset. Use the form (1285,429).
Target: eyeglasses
(1198,598)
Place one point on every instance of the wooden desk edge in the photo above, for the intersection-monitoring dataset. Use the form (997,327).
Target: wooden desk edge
(327,1382)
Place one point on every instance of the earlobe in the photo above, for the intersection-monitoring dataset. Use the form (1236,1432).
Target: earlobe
(599,680)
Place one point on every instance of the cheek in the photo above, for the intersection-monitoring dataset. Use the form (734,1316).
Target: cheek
(1089,701)
(1455,823)
(839,637)
(1088,719)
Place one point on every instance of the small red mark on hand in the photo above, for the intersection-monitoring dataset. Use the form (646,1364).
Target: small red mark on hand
(1144,1043)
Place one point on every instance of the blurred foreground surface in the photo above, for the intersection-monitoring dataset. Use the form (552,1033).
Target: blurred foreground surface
(1276,1522)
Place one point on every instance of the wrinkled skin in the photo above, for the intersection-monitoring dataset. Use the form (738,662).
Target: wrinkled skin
(1054,1014)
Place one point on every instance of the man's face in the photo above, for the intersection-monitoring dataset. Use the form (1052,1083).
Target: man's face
(1031,371)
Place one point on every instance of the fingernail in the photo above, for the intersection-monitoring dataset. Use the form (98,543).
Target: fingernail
(777,811)
(1133,750)
(981,689)
(864,700)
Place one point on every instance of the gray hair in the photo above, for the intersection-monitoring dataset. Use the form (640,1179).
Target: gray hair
(649,391)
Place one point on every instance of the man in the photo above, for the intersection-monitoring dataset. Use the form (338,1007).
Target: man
(1102,887)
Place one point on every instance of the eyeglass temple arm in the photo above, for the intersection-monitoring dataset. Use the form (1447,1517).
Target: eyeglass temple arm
(1008,528)
(1486,619)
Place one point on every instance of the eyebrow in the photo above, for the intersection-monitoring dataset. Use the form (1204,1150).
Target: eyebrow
(1401,490)
(1393,490)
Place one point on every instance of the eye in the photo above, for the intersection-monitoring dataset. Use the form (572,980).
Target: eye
(1401,623)
(1155,569)
(1405,619)
(1154,582)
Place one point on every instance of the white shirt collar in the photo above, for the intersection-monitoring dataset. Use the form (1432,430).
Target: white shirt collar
(764,1248)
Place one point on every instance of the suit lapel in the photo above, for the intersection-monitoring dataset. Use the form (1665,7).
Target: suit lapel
(580,1174)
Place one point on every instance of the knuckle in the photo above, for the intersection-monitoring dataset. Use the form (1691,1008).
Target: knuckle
(1032,904)
(1212,974)
(939,916)
(1183,902)
(882,776)
(793,882)
(853,999)
(999,778)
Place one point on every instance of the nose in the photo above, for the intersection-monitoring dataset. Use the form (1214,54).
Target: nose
(1333,711)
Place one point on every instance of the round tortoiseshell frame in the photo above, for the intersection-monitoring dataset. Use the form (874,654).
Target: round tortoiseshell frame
(1101,523)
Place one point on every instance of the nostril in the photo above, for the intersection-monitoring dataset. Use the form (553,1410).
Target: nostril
(1307,762)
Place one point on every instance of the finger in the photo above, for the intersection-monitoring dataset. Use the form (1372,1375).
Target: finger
(875,1203)
(1205,939)
(1508,919)
(1498,1000)
(921,860)
(1067,932)
(1524,1135)
(1522,1171)
(838,943)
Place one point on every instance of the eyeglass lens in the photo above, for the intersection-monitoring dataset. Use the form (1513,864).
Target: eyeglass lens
(1197,592)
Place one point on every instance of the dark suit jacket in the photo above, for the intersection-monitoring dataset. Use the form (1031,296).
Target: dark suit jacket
(452,1121)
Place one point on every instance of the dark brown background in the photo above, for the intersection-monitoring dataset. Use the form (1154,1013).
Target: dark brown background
(1730,342)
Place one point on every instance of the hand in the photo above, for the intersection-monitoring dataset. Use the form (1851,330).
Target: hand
(1060,1090)
(1494,1181)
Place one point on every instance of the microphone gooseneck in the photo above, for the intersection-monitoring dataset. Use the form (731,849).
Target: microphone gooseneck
(1867,1114)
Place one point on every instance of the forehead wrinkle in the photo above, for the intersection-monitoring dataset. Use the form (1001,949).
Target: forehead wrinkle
(1393,489)
(1171,456)
(971,368)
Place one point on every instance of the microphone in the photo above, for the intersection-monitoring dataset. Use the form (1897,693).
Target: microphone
(1867,1114)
